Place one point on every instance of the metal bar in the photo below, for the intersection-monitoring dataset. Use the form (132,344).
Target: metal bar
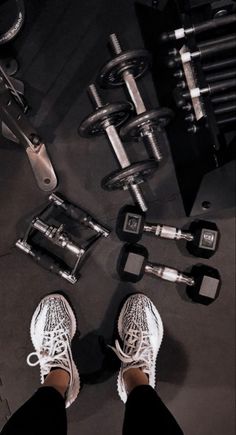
(222,64)
(168,274)
(134,92)
(229,74)
(227,108)
(117,146)
(224,98)
(228,120)
(215,49)
(199,28)
(221,86)
(220,40)
(167,232)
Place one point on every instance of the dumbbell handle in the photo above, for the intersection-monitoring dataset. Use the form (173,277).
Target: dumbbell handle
(110,130)
(212,88)
(168,274)
(207,51)
(199,28)
(167,232)
(128,77)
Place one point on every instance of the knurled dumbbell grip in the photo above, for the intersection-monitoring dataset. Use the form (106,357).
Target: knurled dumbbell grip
(168,274)
(167,232)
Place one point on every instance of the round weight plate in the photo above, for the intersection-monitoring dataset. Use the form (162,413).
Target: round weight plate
(136,172)
(115,114)
(134,61)
(12,13)
(156,118)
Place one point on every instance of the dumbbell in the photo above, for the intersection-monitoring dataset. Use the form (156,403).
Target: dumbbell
(203,283)
(124,69)
(202,237)
(105,119)
(199,28)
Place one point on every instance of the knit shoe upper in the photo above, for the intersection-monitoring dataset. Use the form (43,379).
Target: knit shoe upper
(52,328)
(141,329)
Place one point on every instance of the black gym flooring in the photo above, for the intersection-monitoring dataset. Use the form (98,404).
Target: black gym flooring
(60,50)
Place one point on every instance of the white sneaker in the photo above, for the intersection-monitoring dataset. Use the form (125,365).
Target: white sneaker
(52,328)
(141,329)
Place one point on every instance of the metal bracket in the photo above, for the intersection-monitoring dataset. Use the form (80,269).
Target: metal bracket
(191,82)
(18,128)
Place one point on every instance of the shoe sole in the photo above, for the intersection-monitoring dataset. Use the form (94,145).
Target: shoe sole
(122,392)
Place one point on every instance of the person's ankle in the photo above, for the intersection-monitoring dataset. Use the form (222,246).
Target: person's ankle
(133,377)
(58,379)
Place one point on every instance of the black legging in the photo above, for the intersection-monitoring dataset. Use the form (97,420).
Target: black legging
(45,414)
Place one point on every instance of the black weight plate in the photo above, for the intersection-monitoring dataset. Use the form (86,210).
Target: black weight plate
(12,14)
(134,61)
(115,113)
(158,118)
(140,170)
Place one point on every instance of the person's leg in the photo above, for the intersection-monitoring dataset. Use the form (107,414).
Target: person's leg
(145,413)
(141,330)
(52,328)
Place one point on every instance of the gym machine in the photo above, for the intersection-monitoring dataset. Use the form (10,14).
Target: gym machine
(43,227)
(16,127)
(195,62)
(202,238)
(203,283)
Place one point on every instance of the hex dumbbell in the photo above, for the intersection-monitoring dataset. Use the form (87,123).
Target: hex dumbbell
(203,284)
(202,237)
(104,120)
(124,69)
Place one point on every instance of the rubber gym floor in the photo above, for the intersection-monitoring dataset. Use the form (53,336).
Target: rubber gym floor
(60,50)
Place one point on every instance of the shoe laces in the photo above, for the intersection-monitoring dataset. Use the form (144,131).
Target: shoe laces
(55,347)
(138,346)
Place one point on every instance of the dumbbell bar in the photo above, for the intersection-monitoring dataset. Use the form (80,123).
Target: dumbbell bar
(203,284)
(226,108)
(225,121)
(223,75)
(202,53)
(199,28)
(212,88)
(219,65)
(105,119)
(209,67)
(219,110)
(124,69)
(202,237)
(225,98)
